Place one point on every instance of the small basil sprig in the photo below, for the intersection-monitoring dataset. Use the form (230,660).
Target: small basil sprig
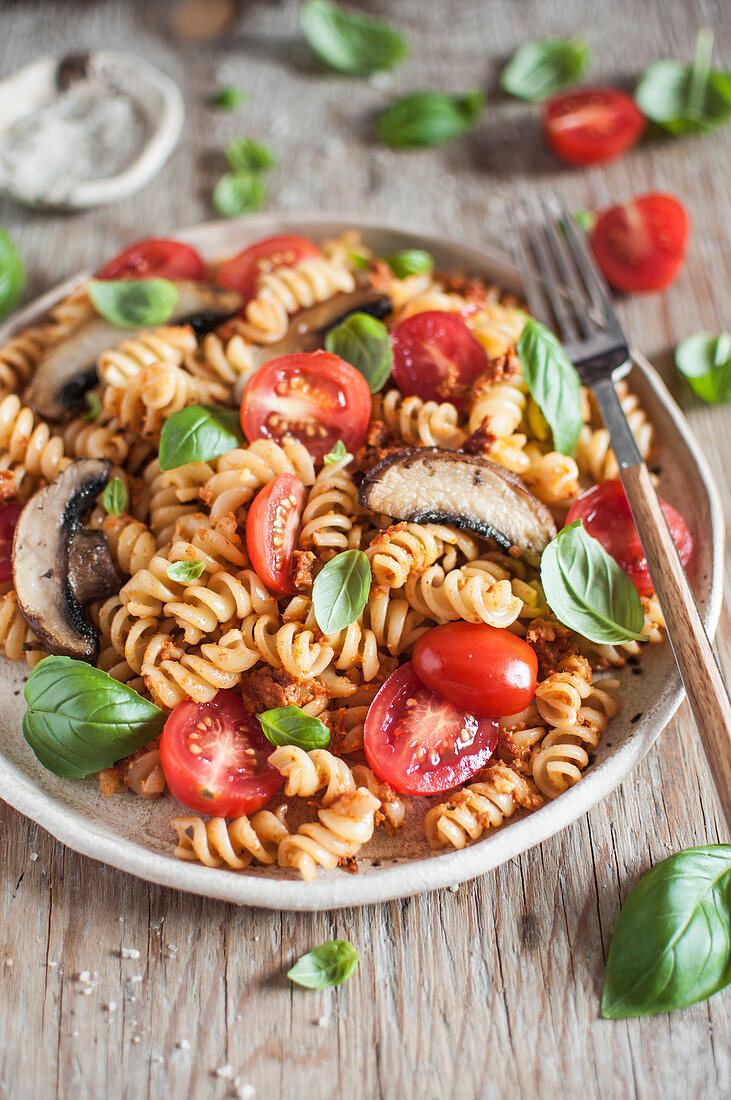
(686,99)
(351,41)
(80,720)
(291,726)
(186,571)
(93,403)
(705,361)
(133,303)
(12,274)
(228,98)
(336,454)
(242,190)
(553,382)
(424,119)
(245,155)
(198,433)
(587,590)
(543,67)
(410,261)
(340,591)
(364,342)
(325,966)
(114,497)
(671,945)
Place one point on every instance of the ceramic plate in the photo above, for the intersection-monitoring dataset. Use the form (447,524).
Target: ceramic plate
(135,836)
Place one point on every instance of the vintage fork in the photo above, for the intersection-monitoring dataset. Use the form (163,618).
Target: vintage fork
(566,292)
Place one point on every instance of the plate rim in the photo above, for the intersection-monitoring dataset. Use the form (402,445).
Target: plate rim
(400,879)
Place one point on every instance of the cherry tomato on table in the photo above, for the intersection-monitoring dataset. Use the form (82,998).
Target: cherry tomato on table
(591,125)
(479,668)
(640,246)
(242,271)
(155,258)
(214,756)
(9,514)
(418,742)
(272,526)
(607,517)
(436,357)
(314,396)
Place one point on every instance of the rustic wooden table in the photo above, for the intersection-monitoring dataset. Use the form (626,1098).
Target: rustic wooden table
(114,988)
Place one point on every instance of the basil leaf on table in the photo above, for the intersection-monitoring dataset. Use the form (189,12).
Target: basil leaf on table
(351,41)
(705,361)
(80,720)
(114,497)
(12,274)
(424,119)
(336,454)
(340,591)
(686,99)
(239,193)
(410,261)
(587,590)
(671,945)
(552,380)
(186,571)
(325,966)
(543,67)
(133,303)
(364,342)
(228,98)
(198,433)
(291,726)
(245,155)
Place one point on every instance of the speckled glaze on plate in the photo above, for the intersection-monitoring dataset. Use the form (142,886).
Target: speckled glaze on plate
(135,836)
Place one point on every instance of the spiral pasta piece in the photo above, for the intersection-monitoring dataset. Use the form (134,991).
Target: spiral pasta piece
(167,344)
(497,407)
(552,476)
(218,360)
(17,640)
(20,356)
(497,326)
(71,312)
(236,843)
(285,291)
(344,827)
(27,447)
(146,400)
(170,495)
(241,473)
(480,591)
(332,504)
(479,806)
(411,548)
(418,422)
(131,543)
(594,454)
(305,773)
(616,655)
(393,807)
(289,646)
(100,438)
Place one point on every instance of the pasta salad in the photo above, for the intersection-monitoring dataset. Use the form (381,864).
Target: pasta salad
(312,540)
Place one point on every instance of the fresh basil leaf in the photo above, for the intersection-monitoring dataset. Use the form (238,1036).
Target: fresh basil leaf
(410,261)
(186,571)
(325,966)
(543,67)
(587,590)
(358,260)
(245,155)
(585,219)
(291,726)
(340,591)
(705,361)
(114,497)
(671,945)
(239,193)
(93,404)
(364,342)
(228,98)
(336,454)
(198,433)
(351,41)
(133,303)
(552,379)
(79,720)
(686,99)
(12,274)
(424,119)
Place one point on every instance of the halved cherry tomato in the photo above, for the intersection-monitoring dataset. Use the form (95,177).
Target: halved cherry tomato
(421,744)
(242,270)
(155,258)
(607,517)
(479,668)
(8,519)
(641,246)
(314,396)
(592,125)
(214,756)
(272,526)
(436,357)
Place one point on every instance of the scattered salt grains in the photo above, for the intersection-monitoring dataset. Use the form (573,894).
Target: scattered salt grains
(323,1021)
(33,857)
(111,1007)
(454,887)
(129,953)
(135,1038)
(243,1091)
(225,1072)
(183,1044)
(8,962)
(135,978)
(87,981)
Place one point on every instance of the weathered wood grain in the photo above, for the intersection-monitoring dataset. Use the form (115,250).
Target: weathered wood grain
(492,990)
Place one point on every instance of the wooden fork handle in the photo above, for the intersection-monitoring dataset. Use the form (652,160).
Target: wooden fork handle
(704,684)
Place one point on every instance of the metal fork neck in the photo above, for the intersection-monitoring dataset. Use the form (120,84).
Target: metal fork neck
(615,421)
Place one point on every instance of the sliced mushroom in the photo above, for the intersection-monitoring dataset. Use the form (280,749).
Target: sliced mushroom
(431,485)
(58,565)
(308,329)
(68,369)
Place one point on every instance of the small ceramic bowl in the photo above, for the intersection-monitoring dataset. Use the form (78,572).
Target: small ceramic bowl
(155,95)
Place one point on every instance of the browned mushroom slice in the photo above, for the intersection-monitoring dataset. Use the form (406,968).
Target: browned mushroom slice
(59,566)
(430,485)
(68,369)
